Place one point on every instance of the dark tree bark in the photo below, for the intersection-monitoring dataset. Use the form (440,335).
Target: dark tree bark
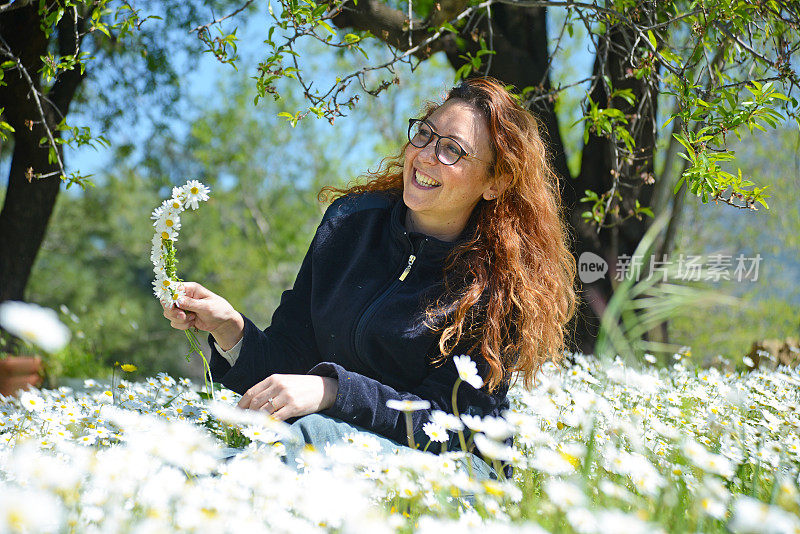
(519,37)
(29,201)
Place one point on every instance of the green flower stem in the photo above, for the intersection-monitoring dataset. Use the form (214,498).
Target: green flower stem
(209,382)
(590,449)
(498,468)
(410,434)
(113,386)
(461,432)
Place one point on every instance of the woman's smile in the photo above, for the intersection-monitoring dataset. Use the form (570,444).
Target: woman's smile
(423,181)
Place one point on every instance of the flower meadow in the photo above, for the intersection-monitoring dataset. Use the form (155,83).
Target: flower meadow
(599,446)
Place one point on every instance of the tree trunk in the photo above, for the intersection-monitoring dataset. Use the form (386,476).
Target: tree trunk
(29,201)
(25,215)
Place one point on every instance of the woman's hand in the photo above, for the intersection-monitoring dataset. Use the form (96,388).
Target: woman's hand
(286,396)
(207,311)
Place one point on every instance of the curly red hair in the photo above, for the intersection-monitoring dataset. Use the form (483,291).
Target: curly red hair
(510,286)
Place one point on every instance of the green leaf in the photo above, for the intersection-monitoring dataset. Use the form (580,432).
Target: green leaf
(448,27)
(327,27)
(678,185)
(652,39)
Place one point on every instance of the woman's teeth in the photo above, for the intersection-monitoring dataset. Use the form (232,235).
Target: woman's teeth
(427,182)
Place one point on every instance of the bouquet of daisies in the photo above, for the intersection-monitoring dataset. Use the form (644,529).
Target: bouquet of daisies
(167,287)
(167,222)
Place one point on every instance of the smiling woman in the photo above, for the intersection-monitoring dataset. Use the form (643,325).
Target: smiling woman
(457,247)
(443,182)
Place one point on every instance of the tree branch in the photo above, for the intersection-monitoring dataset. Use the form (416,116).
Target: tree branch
(5,49)
(11,6)
(205,27)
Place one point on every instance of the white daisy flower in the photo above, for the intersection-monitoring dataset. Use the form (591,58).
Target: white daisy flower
(178,193)
(194,192)
(446,420)
(28,510)
(551,462)
(564,494)
(31,401)
(496,428)
(176,293)
(162,288)
(168,222)
(408,405)
(175,205)
(713,507)
(168,233)
(34,324)
(87,439)
(258,433)
(435,432)
(157,213)
(493,449)
(473,422)
(468,371)
(156,253)
(364,442)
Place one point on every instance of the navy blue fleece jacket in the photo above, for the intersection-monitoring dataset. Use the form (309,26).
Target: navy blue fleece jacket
(350,316)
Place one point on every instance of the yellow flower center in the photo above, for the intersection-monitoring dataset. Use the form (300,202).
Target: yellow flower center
(166,283)
(164,235)
(194,190)
(176,205)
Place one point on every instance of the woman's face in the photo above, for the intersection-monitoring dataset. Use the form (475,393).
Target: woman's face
(440,197)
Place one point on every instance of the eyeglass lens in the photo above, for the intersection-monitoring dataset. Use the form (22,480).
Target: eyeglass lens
(447,150)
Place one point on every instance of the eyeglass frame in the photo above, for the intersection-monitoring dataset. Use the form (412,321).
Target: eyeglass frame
(463,154)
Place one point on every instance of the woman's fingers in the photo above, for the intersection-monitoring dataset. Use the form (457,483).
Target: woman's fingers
(183,325)
(196,291)
(261,401)
(267,395)
(250,399)
(283,413)
(180,319)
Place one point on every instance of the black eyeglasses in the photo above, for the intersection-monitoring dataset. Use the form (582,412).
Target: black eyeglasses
(447,149)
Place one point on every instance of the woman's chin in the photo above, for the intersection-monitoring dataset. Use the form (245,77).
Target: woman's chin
(411,198)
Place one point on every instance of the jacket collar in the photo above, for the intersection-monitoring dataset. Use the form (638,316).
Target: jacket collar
(432,248)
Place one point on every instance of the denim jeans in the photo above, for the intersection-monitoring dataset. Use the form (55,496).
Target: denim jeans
(319,430)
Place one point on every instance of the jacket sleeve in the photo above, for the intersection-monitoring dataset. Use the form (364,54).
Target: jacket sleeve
(362,400)
(287,346)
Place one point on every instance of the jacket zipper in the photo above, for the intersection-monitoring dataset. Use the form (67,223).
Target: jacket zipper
(407,270)
(370,310)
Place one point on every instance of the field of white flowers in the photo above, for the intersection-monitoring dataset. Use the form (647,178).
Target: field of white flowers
(599,447)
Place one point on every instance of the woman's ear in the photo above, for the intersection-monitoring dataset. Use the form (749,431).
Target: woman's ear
(497,188)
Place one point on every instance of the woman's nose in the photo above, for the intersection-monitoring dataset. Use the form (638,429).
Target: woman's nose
(428,152)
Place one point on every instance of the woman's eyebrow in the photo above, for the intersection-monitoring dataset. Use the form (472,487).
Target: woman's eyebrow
(458,138)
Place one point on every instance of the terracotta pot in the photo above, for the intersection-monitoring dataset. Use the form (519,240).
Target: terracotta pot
(20,372)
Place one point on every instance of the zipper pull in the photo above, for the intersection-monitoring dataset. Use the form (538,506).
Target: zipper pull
(405,272)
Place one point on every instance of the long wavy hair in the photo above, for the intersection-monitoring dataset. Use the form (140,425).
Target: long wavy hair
(510,285)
